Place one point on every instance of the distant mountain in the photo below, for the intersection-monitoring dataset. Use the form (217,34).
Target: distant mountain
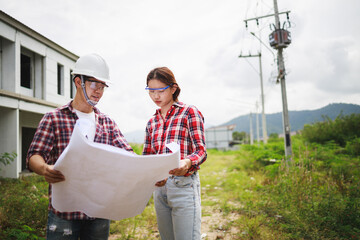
(297,118)
(274,120)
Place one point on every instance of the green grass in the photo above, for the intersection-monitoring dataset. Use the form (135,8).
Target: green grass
(316,196)
(244,196)
(23,208)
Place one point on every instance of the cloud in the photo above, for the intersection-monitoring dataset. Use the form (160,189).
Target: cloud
(200,41)
(343,74)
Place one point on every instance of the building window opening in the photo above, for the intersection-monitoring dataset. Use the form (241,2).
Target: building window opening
(1,72)
(60,79)
(72,86)
(27,136)
(25,71)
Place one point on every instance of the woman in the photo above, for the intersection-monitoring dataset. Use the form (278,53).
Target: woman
(177,198)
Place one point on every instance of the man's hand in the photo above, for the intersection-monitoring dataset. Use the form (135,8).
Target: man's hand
(51,175)
(185,164)
(38,165)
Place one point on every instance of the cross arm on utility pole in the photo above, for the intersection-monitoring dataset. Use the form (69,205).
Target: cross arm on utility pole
(269,15)
(250,55)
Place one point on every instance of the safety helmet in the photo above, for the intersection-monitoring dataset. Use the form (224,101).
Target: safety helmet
(92,65)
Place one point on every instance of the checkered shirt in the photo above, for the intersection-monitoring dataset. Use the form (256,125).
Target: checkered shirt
(53,135)
(183,124)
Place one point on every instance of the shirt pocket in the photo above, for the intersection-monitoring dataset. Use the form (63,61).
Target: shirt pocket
(103,136)
(63,140)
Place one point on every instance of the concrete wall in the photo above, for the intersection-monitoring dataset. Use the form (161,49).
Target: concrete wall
(45,67)
(52,60)
(24,107)
(7,77)
(9,138)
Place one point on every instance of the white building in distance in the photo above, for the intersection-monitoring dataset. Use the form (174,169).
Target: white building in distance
(35,77)
(219,137)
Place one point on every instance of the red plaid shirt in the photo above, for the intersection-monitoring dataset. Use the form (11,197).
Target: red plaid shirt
(183,124)
(53,135)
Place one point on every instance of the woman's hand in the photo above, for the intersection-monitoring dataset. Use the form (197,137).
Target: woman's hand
(185,164)
(161,183)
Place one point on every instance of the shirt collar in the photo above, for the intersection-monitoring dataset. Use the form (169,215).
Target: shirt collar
(175,105)
(70,107)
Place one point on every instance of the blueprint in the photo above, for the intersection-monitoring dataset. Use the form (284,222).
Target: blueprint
(105,181)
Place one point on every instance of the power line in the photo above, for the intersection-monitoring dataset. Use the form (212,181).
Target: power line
(252,66)
(279,39)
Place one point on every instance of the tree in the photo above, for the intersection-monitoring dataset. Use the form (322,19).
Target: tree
(239,136)
(273,136)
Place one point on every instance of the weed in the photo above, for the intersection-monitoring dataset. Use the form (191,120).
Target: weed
(316,196)
(7,158)
(23,203)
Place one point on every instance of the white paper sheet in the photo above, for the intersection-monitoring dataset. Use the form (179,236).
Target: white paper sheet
(107,182)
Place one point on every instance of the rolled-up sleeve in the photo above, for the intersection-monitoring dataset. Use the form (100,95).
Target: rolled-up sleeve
(43,140)
(197,136)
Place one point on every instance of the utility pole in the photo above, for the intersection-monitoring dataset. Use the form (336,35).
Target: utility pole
(281,77)
(279,39)
(264,128)
(251,131)
(257,123)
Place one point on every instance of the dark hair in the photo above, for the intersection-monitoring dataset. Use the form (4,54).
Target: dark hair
(164,75)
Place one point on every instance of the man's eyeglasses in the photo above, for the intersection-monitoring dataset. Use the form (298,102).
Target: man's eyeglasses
(95,85)
(153,91)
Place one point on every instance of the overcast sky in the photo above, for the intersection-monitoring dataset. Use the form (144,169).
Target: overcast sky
(200,41)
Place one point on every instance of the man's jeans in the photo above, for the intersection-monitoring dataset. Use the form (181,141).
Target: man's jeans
(58,228)
(178,208)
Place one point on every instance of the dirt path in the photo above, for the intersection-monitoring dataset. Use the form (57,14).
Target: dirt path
(216,226)
(213,227)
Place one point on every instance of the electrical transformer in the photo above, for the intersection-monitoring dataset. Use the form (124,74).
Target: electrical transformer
(280,38)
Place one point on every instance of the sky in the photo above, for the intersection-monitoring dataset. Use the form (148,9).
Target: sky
(200,41)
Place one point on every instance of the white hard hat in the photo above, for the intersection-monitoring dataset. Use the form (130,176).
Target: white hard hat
(92,65)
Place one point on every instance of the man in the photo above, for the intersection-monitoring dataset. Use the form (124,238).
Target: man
(91,76)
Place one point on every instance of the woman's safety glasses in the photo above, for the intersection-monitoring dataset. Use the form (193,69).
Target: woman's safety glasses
(153,91)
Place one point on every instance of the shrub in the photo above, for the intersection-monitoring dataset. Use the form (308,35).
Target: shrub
(264,154)
(301,194)
(23,207)
(340,130)
(352,147)
(24,233)
(7,158)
